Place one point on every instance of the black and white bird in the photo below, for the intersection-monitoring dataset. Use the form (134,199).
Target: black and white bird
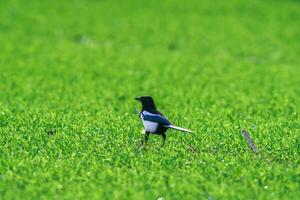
(154,122)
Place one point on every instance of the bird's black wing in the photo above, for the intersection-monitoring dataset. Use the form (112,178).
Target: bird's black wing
(155,118)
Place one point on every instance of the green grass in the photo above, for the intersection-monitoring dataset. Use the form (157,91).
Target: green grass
(69,71)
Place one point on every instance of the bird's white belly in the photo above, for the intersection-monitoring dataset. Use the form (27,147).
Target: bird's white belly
(150,127)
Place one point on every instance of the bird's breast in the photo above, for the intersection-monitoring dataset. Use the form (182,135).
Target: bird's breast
(150,127)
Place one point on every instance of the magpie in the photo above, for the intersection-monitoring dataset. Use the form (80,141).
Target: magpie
(154,122)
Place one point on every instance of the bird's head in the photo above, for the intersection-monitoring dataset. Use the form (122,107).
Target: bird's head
(147,102)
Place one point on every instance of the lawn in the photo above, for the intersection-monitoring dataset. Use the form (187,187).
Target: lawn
(69,127)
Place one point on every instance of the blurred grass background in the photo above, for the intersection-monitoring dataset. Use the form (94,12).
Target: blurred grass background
(69,71)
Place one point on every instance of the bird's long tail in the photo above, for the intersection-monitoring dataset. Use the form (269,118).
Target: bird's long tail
(178,128)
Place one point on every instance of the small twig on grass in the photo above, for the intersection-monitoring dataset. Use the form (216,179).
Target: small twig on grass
(250,143)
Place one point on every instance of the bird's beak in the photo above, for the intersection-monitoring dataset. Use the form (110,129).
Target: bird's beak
(137,98)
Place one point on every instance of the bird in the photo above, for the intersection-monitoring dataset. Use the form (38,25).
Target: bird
(154,121)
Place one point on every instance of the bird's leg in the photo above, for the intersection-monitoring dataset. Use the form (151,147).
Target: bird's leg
(164,136)
(146,136)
